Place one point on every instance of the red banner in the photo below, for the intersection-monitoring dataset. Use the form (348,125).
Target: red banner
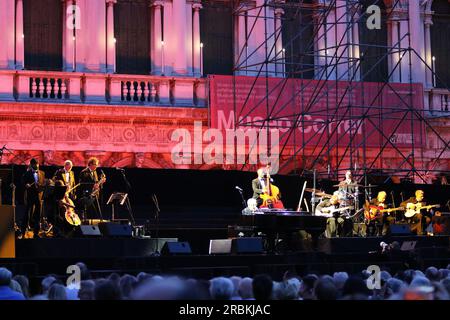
(321,112)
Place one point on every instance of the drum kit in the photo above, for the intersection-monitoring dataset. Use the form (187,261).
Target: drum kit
(347,200)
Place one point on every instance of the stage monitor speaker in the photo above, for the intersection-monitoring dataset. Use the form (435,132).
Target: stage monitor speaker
(220,246)
(7,232)
(399,229)
(176,248)
(248,245)
(89,231)
(111,229)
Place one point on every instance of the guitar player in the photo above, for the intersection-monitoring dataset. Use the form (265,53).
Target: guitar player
(90,188)
(421,218)
(380,225)
(335,223)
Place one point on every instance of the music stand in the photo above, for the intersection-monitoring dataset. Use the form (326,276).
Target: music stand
(121,198)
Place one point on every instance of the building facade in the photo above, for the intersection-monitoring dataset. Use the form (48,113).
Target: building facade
(77,77)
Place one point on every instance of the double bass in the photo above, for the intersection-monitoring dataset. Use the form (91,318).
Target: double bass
(70,215)
(271,195)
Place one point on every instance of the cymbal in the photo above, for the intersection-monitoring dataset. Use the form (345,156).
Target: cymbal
(318,192)
(354,185)
(312,190)
(323,195)
(371,186)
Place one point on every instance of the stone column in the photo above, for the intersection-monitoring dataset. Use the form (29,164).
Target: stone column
(355,54)
(241,47)
(393,27)
(110,38)
(404,54)
(157,39)
(7,9)
(343,38)
(428,54)
(179,25)
(417,41)
(20,48)
(196,63)
(319,48)
(69,37)
(279,54)
(94,24)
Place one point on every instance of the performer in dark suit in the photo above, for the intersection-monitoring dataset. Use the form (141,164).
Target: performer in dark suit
(90,187)
(67,176)
(64,180)
(258,186)
(34,181)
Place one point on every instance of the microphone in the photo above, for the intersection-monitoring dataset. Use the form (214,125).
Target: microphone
(120,169)
(384,246)
(239,189)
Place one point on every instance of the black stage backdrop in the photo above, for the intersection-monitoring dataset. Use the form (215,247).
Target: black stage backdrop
(193,191)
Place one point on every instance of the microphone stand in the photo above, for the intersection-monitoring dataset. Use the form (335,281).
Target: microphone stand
(244,203)
(313,195)
(157,211)
(127,183)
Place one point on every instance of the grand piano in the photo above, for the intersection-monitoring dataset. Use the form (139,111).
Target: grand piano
(276,223)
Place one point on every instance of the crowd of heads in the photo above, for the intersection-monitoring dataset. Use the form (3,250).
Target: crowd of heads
(430,284)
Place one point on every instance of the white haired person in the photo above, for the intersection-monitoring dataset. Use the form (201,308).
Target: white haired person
(252,207)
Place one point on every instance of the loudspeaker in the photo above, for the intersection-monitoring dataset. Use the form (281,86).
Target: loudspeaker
(399,229)
(110,229)
(220,246)
(247,245)
(7,232)
(176,248)
(89,231)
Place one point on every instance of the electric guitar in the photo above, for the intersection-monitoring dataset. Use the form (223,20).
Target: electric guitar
(414,208)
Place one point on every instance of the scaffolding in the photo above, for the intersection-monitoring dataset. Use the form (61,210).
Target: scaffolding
(350,112)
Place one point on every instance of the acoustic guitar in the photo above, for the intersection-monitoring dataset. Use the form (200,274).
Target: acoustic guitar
(373,212)
(413,208)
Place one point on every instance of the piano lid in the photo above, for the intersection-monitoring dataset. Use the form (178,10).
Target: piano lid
(282,212)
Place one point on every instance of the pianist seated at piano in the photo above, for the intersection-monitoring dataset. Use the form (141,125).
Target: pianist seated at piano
(252,207)
(328,208)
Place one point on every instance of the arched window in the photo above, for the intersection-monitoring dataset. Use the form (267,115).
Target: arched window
(216,34)
(440,42)
(43,34)
(298,39)
(373,45)
(132,33)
